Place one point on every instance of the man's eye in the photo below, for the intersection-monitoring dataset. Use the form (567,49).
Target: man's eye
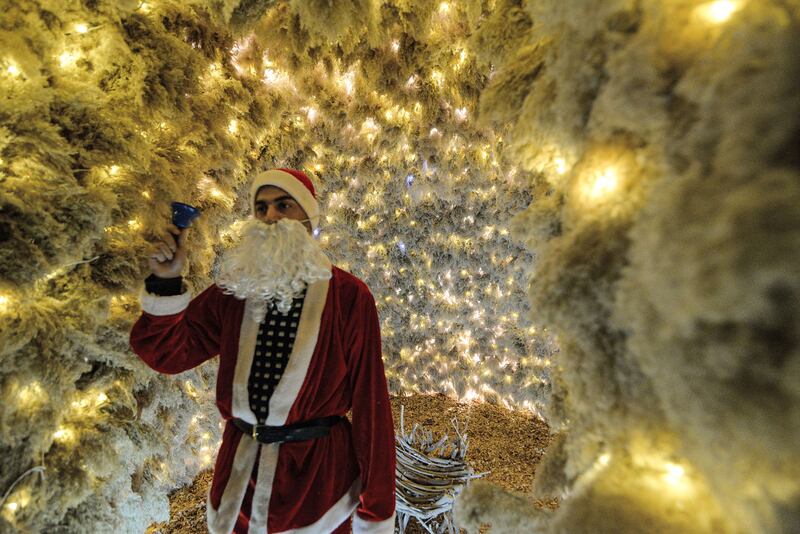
(285,206)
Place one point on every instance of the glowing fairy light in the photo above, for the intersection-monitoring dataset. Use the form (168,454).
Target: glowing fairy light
(64,435)
(461,114)
(32,394)
(437,78)
(719,11)
(67,59)
(146,194)
(134,224)
(602,183)
(81,28)
(5,302)
(113,170)
(560,166)
(274,76)
(675,474)
(233,126)
(444,8)
(347,82)
(395,46)
(311,114)
(12,69)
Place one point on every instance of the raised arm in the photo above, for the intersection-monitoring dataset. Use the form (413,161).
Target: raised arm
(174,332)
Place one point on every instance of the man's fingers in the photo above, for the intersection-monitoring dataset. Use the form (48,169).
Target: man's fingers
(169,241)
(158,256)
(166,250)
(173,229)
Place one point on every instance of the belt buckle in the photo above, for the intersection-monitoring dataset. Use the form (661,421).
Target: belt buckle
(255,431)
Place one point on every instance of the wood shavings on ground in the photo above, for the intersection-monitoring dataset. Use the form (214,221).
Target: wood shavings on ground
(507,444)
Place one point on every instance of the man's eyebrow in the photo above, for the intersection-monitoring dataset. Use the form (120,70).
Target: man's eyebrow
(284,197)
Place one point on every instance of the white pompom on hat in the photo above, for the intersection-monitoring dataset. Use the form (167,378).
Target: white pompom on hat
(296,183)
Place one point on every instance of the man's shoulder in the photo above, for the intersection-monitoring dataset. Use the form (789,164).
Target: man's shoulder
(349,283)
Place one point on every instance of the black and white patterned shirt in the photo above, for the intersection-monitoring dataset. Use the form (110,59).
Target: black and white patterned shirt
(276,335)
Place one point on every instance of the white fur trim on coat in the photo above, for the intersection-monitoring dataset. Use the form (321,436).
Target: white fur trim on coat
(158,305)
(223,519)
(267,464)
(291,185)
(362,526)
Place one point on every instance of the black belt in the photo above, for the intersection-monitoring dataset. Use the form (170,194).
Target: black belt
(311,429)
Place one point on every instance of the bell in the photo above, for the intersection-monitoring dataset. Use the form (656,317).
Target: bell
(184,214)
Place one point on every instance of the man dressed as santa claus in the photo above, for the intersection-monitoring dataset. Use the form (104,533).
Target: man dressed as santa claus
(299,344)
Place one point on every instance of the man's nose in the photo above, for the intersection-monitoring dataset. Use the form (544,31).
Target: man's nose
(273,215)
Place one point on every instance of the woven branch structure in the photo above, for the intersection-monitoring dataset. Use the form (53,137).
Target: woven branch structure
(430,475)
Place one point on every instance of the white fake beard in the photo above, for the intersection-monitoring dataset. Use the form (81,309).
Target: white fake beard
(271,264)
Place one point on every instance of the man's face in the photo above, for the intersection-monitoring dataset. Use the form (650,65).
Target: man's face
(273,204)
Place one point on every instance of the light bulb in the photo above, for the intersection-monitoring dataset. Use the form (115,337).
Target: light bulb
(67,59)
(719,11)
(81,28)
(674,473)
(602,183)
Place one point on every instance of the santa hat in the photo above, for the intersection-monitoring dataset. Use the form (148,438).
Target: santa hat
(295,183)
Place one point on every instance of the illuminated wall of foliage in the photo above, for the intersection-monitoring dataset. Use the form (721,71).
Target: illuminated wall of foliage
(666,134)
(109,110)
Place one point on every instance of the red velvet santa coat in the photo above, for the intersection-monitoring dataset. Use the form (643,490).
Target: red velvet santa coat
(308,486)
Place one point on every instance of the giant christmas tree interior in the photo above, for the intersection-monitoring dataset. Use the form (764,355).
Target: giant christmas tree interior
(587,211)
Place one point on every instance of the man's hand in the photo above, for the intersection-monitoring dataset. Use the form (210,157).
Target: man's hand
(168,255)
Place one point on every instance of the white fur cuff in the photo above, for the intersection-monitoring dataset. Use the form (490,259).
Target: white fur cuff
(157,305)
(361,526)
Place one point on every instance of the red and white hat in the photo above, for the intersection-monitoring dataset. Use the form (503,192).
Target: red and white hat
(295,183)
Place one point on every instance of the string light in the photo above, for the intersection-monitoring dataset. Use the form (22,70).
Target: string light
(64,435)
(560,166)
(719,11)
(601,183)
(67,59)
